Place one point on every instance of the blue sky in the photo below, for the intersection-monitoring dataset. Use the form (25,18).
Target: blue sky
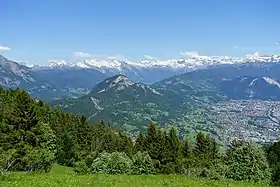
(37,31)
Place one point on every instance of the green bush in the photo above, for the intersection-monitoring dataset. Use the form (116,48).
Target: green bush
(38,159)
(81,167)
(111,163)
(7,159)
(194,167)
(247,162)
(142,163)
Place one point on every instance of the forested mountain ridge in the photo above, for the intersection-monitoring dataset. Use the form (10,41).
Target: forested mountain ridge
(120,101)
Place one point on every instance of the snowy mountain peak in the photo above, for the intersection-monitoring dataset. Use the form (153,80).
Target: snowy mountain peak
(193,61)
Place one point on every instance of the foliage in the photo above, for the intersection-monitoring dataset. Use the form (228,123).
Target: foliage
(140,142)
(273,157)
(247,162)
(38,159)
(142,163)
(111,163)
(7,159)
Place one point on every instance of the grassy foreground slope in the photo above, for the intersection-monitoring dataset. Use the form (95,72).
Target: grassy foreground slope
(63,176)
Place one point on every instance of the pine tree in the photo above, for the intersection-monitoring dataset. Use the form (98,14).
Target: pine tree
(140,143)
(202,146)
(67,151)
(214,149)
(152,142)
(125,145)
(186,149)
(174,145)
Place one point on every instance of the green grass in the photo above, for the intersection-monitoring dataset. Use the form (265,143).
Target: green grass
(63,176)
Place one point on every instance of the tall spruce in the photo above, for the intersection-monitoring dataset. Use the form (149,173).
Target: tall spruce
(140,142)
(186,149)
(202,146)
(153,141)
(174,145)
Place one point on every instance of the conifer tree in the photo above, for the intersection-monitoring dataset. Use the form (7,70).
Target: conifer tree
(152,142)
(186,149)
(140,142)
(174,145)
(202,146)
(67,152)
(125,144)
(214,149)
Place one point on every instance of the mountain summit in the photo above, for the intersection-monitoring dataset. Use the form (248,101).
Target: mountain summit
(121,83)
(14,75)
(116,97)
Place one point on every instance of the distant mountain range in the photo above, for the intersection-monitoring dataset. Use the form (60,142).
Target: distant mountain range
(231,98)
(150,71)
(14,75)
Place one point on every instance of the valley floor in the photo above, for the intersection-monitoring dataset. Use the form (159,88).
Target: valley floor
(62,176)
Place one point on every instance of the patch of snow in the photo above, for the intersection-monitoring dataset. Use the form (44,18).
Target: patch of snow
(143,87)
(271,81)
(95,102)
(120,87)
(103,90)
(154,91)
(253,82)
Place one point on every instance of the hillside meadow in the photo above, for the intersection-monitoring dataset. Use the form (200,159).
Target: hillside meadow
(63,176)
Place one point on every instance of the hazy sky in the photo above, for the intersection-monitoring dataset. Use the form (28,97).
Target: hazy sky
(37,31)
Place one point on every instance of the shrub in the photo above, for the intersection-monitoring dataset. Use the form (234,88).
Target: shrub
(84,165)
(142,163)
(114,163)
(194,167)
(7,159)
(38,159)
(81,167)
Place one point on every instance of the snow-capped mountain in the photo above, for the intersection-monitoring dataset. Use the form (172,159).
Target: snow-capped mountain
(151,71)
(193,62)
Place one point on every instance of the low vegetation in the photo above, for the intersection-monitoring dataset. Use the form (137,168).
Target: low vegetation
(63,176)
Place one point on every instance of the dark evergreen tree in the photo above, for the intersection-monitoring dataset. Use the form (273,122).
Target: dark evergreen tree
(125,145)
(153,142)
(214,150)
(202,146)
(140,142)
(174,145)
(186,149)
(67,152)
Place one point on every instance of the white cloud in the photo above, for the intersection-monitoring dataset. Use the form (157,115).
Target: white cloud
(80,54)
(116,57)
(191,54)
(277,43)
(254,55)
(148,57)
(4,48)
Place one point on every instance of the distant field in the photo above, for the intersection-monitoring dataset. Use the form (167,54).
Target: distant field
(62,176)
